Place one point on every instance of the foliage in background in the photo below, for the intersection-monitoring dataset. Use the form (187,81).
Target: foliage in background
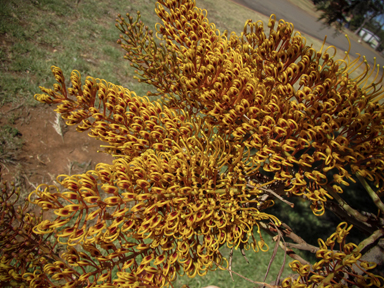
(353,14)
(337,11)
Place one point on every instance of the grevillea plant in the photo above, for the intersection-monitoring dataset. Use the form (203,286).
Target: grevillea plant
(188,175)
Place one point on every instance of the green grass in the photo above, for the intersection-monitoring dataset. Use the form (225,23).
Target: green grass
(10,145)
(254,270)
(36,35)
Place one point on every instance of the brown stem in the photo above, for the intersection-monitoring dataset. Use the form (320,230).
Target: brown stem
(230,263)
(277,240)
(289,252)
(356,214)
(293,255)
(345,216)
(301,244)
(245,278)
(375,198)
(304,246)
(371,239)
(273,193)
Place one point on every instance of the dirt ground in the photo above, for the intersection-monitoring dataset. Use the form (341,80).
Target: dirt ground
(45,154)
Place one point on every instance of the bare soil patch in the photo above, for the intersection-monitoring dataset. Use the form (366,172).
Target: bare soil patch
(45,154)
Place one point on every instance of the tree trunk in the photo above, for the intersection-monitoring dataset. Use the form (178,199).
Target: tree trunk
(381,44)
(366,19)
(377,31)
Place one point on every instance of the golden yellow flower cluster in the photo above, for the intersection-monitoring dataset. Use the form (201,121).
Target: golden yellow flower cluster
(168,167)
(21,249)
(296,106)
(184,179)
(337,268)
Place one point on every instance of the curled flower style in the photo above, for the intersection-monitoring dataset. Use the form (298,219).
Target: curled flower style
(174,198)
(21,248)
(336,268)
(274,92)
(189,170)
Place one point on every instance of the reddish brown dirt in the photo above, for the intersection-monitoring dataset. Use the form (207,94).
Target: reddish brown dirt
(45,154)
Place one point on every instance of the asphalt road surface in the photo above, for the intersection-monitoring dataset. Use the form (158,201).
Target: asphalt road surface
(309,25)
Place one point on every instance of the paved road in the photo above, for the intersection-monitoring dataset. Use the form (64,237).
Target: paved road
(308,24)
